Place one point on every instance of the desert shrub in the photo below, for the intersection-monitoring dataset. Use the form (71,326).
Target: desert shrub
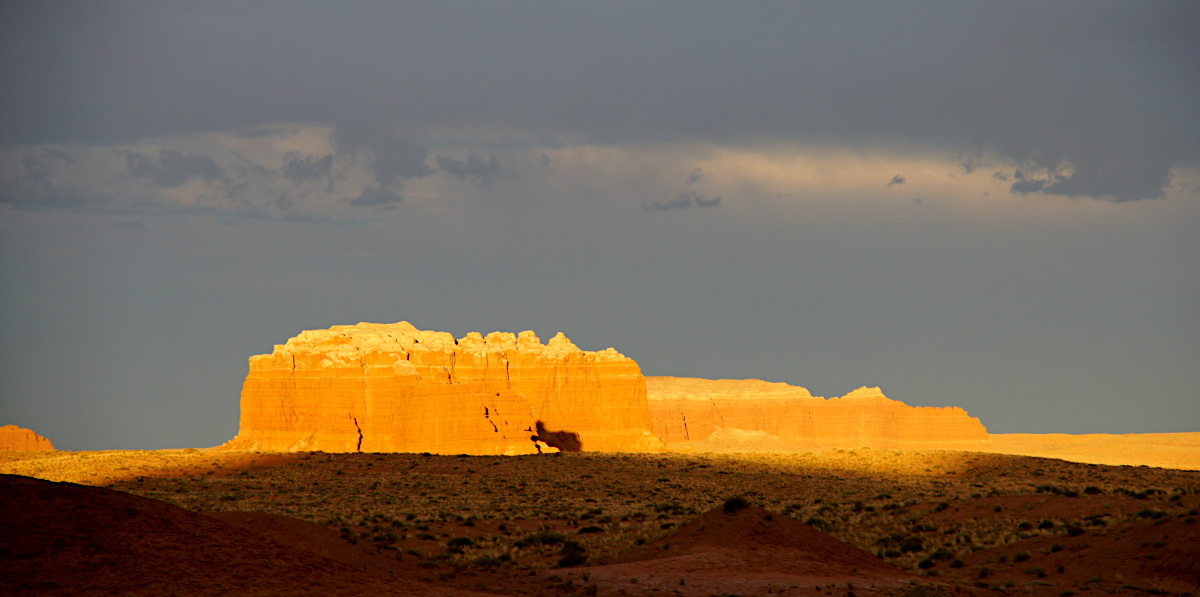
(591,529)
(461,542)
(541,538)
(957,563)
(1046,525)
(923,528)
(1092,490)
(736,503)
(925,564)
(572,554)
(1150,513)
(819,524)
(912,544)
(941,555)
(1021,557)
(929,590)
(1025,526)
(487,561)
(1075,530)
(388,537)
(984,572)
(1037,571)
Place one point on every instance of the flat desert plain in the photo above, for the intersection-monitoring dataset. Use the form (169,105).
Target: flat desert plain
(837,522)
(1169,450)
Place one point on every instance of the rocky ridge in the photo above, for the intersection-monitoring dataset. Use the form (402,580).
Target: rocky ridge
(689,411)
(19,438)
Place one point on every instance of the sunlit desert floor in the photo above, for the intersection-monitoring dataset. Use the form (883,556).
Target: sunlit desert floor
(581,523)
(1169,450)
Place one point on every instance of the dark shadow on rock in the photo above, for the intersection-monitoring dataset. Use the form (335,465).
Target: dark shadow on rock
(566,441)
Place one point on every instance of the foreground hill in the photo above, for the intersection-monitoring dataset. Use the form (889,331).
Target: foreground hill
(588,523)
(67,539)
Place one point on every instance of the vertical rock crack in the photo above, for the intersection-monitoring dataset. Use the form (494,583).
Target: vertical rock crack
(357,448)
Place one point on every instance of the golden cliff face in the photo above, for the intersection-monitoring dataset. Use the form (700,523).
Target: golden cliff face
(691,410)
(394,388)
(20,438)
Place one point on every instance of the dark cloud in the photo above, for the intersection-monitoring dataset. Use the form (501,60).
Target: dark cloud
(685,200)
(474,168)
(695,176)
(970,161)
(298,167)
(1106,179)
(1025,185)
(376,197)
(34,188)
(394,158)
(397,159)
(172,168)
(897,179)
(1109,87)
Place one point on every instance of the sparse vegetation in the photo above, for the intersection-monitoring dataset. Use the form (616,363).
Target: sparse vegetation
(536,513)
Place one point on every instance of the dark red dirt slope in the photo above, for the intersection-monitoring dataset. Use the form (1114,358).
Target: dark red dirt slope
(747,551)
(67,539)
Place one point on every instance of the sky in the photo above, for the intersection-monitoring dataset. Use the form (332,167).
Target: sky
(988,205)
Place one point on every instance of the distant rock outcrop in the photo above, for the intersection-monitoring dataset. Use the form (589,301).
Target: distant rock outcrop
(394,388)
(19,438)
(691,410)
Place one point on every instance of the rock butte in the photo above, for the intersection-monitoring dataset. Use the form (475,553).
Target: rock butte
(691,410)
(19,438)
(394,388)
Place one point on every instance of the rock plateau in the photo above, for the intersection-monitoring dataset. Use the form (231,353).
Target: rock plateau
(691,410)
(19,438)
(394,388)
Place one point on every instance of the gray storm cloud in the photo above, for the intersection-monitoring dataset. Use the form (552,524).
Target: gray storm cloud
(1108,88)
(473,168)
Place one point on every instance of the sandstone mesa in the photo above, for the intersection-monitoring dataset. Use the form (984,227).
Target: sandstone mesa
(691,410)
(393,388)
(19,438)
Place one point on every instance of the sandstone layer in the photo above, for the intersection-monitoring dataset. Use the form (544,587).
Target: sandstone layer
(394,388)
(19,438)
(687,411)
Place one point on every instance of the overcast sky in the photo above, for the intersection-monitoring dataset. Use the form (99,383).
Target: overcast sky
(988,205)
